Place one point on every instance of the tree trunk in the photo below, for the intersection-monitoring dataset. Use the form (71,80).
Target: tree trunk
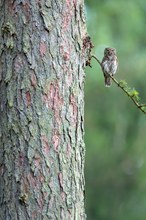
(42,56)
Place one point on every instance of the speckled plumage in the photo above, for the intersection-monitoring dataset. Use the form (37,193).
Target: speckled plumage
(109,64)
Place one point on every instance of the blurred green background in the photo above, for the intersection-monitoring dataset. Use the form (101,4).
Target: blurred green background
(115,130)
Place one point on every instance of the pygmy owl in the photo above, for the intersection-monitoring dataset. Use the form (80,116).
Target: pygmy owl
(109,64)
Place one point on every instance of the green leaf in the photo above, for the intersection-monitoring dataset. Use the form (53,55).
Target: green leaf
(123,83)
(134,93)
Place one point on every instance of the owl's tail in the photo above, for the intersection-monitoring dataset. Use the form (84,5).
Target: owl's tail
(108,81)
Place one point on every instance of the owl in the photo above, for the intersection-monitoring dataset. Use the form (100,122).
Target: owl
(109,64)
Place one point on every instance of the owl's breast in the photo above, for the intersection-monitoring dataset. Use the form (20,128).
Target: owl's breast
(106,66)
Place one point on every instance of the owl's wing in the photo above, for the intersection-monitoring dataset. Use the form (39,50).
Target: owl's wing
(105,66)
(113,66)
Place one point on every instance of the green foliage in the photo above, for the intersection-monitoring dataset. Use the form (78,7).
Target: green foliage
(133,93)
(130,91)
(123,83)
(143,108)
(115,130)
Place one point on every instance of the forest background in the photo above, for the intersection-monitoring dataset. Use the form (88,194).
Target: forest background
(115,130)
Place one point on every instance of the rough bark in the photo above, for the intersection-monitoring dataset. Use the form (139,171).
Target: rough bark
(42,56)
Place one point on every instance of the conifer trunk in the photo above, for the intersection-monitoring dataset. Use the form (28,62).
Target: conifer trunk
(42,57)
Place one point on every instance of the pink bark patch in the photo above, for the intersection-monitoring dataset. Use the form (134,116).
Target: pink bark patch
(63,196)
(65,50)
(66,56)
(68,3)
(67,16)
(69,150)
(56,142)
(31,179)
(66,21)
(37,161)
(18,64)
(33,80)
(75,2)
(60,177)
(45,144)
(74,108)
(41,178)
(40,202)
(25,184)
(54,101)
(34,215)
(43,48)
(11,7)
(69,79)
(26,10)
(28,98)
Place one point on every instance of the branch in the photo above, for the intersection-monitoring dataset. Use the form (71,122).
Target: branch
(96,60)
(131,93)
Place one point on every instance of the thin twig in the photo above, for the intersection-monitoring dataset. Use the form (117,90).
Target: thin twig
(138,105)
(96,60)
(131,97)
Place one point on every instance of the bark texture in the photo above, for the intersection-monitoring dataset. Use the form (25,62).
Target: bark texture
(42,56)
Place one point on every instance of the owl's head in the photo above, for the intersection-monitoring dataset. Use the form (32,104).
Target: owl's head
(109,51)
